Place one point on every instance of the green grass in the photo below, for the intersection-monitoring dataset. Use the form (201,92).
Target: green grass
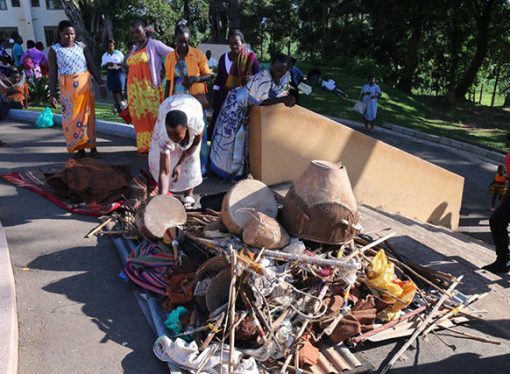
(473,123)
(103,112)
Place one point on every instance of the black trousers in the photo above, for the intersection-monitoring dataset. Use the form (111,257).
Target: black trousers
(499,230)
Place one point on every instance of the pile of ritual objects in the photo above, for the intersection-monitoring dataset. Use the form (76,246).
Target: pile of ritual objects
(280,284)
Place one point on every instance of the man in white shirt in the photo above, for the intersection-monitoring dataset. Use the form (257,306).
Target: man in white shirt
(112,61)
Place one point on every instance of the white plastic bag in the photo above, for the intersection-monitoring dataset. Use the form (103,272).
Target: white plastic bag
(360,107)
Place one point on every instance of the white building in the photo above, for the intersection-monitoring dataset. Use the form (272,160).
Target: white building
(35,20)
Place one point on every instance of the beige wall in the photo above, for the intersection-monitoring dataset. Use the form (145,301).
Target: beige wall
(284,140)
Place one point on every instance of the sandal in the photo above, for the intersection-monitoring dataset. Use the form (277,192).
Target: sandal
(95,154)
(188,202)
(80,154)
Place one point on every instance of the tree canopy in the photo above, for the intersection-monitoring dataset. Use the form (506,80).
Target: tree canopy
(436,47)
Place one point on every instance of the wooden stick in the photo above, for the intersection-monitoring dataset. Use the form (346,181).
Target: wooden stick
(454,311)
(233,264)
(302,330)
(212,334)
(98,227)
(474,337)
(278,255)
(422,326)
(373,244)
(362,337)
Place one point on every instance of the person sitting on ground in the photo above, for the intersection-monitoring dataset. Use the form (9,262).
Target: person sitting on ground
(32,61)
(499,229)
(14,92)
(330,85)
(498,187)
(313,77)
(211,61)
(268,87)
(174,156)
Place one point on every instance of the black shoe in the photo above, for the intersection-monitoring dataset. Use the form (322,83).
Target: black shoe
(80,154)
(94,153)
(497,268)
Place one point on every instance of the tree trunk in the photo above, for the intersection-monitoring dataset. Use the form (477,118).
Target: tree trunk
(481,94)
(234,14)
(186,10)
(406,79)
(498,70)
(73,12)
(507,99)
(483,19)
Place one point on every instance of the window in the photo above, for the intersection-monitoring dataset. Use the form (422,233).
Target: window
(51,35)
(3,4)
(35,3)
(54,4)
(7,32)
(15,3)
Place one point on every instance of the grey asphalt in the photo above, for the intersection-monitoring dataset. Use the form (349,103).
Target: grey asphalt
(75,314)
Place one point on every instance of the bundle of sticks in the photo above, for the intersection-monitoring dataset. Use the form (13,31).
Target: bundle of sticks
(292,311)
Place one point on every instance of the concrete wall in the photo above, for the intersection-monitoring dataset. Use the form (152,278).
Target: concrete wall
(30,21)
(284,140)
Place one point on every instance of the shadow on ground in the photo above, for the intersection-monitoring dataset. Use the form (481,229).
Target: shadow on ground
(106,300)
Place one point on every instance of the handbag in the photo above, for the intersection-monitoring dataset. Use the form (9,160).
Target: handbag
(124,114)
(360,107)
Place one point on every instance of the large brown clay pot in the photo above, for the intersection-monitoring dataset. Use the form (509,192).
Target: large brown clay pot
(320,206)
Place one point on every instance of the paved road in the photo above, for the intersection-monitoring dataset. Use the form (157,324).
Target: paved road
(478,173)
(75,314)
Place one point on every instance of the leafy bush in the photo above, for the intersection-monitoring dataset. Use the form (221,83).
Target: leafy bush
(39,91)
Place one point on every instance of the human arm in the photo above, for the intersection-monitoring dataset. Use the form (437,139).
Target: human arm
(161,48)
(288,100)
(52,71)
(205,72)
(255,67)
(94,71)
(185,155)
(377,94)
(167,88)
(164,172)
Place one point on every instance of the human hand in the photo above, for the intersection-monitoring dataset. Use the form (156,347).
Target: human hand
(102,91)
(289,101)
(189,81)
(53,102)
(109,64)
(176,174)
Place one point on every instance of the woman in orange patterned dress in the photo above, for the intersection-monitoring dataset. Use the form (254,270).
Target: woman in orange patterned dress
(71,64)
(144,88)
